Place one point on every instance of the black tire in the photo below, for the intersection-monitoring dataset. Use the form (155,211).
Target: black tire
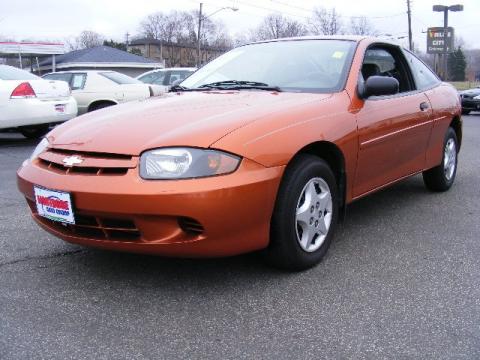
(284,250)
(465,112)
(437,179)
(100,106)
(34,132)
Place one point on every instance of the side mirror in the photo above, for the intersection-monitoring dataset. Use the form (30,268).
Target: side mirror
(378,86)
(176,82)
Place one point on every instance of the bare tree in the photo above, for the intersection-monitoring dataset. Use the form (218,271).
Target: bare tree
(325,22)
(220,38)
(362,26)
(241,39)
(180,27)
(276,26)
(87,39)
(166,27)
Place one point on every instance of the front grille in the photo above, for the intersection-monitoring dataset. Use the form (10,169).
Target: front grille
(90,154)
(92,163)
(60,169)
(93,227)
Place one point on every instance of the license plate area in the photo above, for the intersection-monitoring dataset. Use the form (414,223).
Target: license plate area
(60,108)
(54,205)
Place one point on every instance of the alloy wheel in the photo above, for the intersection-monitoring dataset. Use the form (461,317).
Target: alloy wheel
(313,214)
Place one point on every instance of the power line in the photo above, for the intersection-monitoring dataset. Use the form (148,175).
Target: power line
(310,11)
(345,16)
(272,10)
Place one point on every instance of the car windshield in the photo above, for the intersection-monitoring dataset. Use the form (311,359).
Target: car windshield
(302,66)
(12,73)
(120,78)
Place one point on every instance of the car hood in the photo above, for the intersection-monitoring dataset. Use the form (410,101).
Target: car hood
(195,119)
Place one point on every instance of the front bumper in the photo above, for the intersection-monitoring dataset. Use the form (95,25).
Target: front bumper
(209,217)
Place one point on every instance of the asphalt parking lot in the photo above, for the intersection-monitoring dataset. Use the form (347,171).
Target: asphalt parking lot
(401,280)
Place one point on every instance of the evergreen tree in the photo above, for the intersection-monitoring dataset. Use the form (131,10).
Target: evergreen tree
(116,45)
(457,65)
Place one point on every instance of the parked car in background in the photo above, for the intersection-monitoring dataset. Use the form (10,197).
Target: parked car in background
(95,89)
(31,104)
(260,149)
(166,77)
(470,100)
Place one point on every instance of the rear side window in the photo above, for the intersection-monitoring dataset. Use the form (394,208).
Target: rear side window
(12,73)
(424,77)
(120,78)
(78,81)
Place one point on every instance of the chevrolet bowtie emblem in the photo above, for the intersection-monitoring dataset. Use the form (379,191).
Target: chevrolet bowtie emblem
(72,160)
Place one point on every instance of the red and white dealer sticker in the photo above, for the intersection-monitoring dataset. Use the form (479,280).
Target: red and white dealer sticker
(54,205)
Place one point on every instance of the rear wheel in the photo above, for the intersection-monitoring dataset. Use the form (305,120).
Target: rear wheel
(305,215)
(34,132)
(441,177)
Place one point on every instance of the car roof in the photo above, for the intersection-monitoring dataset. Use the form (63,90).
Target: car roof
(81,71)
(355,38)
(170,69)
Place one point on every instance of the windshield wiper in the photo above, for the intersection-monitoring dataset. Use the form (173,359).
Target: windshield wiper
(239,84)
(176,88)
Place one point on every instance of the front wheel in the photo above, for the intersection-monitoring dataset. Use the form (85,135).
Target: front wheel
(441,177)
(305,214)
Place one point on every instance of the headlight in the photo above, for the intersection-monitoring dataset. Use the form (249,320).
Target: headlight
(186,163)
(42,145)
(477,97)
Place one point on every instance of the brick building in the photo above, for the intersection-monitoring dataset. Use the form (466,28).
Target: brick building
(173,55)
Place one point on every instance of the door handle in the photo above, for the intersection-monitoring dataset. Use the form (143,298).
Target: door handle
(424,106)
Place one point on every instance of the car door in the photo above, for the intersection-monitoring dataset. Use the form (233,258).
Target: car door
(393,130)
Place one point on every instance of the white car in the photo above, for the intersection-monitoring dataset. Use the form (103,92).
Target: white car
(30,103)
(95,89)
(166,77)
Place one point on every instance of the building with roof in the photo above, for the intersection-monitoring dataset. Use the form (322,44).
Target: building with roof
(30,52)
(174,55)
(100,58)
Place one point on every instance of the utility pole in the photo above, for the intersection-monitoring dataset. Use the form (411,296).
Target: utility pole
(199,35)
(200,19)
(127,35)
(409,13)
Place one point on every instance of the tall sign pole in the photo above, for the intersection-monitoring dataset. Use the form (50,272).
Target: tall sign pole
(445,50)
(446,41)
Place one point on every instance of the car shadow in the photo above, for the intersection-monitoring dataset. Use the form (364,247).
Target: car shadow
(13,139)
(147,271)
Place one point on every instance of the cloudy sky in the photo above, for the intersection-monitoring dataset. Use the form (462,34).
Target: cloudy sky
(57,20)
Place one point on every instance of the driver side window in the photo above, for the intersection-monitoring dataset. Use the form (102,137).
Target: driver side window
(383,61)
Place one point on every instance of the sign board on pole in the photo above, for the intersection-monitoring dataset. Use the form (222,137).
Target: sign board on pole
(435,40)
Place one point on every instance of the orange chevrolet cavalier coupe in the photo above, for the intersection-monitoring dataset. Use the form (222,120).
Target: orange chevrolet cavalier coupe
(262,148)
